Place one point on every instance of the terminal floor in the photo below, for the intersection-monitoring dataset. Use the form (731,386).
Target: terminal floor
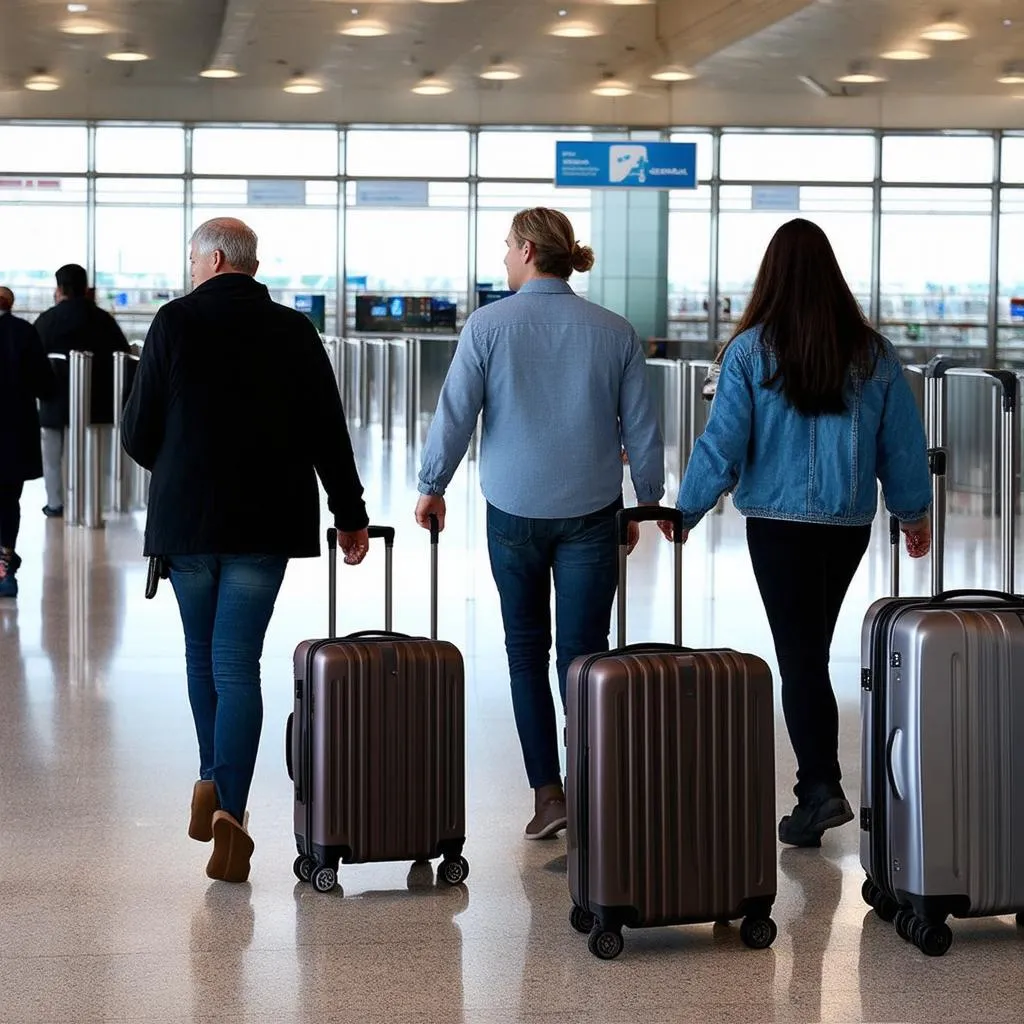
(106,913)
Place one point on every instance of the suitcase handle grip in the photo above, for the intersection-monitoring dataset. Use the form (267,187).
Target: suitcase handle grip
(366,634)
(647,514)
(992,595)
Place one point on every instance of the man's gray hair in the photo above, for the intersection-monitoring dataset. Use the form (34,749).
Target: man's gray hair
(232,237)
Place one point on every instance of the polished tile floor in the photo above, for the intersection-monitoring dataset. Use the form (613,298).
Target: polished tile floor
(106,913)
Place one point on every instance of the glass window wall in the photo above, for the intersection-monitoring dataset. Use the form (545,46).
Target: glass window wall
(778,156)
(43,225)
(407,154)
(749,219)
(431,225)
(406,243)
(936,252)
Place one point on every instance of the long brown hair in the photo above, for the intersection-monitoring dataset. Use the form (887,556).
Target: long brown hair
(810,321)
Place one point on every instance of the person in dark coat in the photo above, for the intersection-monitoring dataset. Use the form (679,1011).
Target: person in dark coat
(235,410)
(25,376)
(76,324)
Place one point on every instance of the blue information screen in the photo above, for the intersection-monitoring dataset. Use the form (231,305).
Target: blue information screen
(626,164)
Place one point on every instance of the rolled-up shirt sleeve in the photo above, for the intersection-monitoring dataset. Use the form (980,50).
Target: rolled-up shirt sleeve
(639,430)
(458,409)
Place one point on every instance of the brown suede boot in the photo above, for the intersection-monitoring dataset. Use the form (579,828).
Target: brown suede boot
(204,804)
(549,812)
(232,849)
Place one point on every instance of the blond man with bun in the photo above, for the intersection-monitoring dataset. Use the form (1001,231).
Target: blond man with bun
(561,382)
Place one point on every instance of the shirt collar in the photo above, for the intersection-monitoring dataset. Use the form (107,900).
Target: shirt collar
(546,286)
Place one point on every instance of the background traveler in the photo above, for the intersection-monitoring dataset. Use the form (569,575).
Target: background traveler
(25,376)
(6,299)
(75,324)
(811,410)
(561,382)
(236,412)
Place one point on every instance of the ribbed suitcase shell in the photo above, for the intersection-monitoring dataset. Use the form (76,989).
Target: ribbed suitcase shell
(671,803)
(378,747)
(943,755)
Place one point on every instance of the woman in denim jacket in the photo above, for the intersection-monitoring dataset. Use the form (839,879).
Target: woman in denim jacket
(811,409)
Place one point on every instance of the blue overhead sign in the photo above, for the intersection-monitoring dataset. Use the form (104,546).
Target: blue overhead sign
(626,164)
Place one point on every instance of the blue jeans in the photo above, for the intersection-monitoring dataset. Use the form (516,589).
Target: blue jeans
(581,555)
(226,602)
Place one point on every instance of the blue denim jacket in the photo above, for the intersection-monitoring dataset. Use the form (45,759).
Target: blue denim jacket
(813,469)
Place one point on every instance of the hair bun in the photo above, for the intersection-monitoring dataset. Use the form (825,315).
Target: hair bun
(582,258)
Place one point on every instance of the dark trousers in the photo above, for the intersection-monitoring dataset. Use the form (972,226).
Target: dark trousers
(10,513)
(803,571)
(580,554)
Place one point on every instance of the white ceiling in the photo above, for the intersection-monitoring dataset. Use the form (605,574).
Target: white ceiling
(749,54)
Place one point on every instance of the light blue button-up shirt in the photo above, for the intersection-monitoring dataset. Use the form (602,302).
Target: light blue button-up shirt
(561,381)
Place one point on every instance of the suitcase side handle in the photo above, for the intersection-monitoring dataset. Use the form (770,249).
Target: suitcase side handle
(646,514)
(385,533)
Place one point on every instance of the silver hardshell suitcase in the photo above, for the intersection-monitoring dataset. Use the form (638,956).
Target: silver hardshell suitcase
(942,721)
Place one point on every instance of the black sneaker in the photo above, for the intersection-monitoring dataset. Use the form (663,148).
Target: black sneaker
(824,808)
(53,513)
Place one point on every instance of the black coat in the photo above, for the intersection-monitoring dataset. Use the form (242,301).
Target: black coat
(80,325)
(25,375)
(236,411)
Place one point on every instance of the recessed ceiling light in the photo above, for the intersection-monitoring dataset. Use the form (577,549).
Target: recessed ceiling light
(430,85)
(498,72)
(41,82)
(128,55)
(364,27)
(946,32)
(219,71)
(574,29)
(906,53)
(673,73)
(300,85)
(77,8)
(612,87)
(861,78)
(1011,78)
(84,27)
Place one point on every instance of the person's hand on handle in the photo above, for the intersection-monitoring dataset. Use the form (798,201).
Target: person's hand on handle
(918,537)
(430,504)
(354,545)
(634,537)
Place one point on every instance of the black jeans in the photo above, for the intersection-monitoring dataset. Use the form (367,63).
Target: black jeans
(10,514)
(803,571)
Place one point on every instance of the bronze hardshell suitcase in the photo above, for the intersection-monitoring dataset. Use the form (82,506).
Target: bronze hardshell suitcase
(671,783)
(376,744)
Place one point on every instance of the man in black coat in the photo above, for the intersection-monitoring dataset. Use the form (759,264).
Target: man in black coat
(25,376)
(76,324)
(235,410)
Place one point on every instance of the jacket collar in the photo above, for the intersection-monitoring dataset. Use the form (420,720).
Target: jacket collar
(228,283)
(546,286)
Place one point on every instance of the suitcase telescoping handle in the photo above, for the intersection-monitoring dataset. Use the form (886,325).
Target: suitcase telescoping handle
(385,533)
(937,468)
(647,514)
